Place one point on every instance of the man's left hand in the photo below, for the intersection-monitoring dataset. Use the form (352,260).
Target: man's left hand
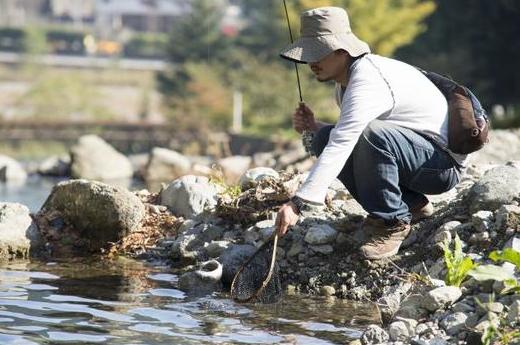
(287,216)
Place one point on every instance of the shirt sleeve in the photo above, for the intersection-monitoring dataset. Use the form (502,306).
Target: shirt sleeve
(367,97)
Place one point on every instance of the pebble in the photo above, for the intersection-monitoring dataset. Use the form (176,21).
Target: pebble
(327,291)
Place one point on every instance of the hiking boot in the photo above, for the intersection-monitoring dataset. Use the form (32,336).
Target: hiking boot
(383,240)
(422,210)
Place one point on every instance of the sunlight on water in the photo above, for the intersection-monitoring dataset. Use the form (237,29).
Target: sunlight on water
(127,302)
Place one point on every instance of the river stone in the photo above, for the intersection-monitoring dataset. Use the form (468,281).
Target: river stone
(233,258)
(11,170)
(166,165)
(233,167)
(398,331)
(190,196)
(514,312)
(320,234)
(251,177)
(101,212)
(55,166)
(482,220)
(325,249)
(18,234)
(374,335)
(94,159)
(215,248)
(327,291)
(505,214)
(453,323)
(497,187)
(441,297)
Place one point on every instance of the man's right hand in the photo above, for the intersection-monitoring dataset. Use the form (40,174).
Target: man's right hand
(303,119)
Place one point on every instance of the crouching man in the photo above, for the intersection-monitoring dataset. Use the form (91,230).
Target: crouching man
(389,145)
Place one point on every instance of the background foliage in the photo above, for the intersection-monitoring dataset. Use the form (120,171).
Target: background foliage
(208,67)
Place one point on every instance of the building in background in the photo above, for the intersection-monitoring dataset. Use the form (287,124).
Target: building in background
(78,12)
(18,13)
(112,16)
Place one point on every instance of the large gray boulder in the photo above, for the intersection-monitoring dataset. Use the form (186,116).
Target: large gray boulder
(18,233)
(190,196)
(94,159)
(166,165)
(203,281)
(11,170)
(498,186)
(102,213)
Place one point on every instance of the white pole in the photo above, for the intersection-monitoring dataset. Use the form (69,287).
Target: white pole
(237,111)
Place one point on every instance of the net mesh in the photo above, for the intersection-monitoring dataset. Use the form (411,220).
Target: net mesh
(248,282)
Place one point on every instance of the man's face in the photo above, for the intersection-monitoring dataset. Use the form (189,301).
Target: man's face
(331,67)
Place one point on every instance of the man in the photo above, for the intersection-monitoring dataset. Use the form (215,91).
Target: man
(389,145)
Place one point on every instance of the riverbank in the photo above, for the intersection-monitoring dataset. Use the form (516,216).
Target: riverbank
(195,219)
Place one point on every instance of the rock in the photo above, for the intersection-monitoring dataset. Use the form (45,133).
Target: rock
(398,331)
(203,281)
(450,226)
(264,159)
(190,196)
(325,249)
(93,159)
(453,323)
(265,229)
(514,312)
(320,234)
(327,291)
(139,162)
(441,297)
(296,248)
(102,213)
(480,237)
(215,248)
(55,166)
(497,187)
(494,307)
(166,165)
(463,307)
(233,258)
(505,214)
(374,335)
(482,220)
(442,237)
(251,177)
(11,170)
(18,234)
(411,308)
(233,167)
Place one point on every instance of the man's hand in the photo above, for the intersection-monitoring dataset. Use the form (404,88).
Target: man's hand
(303,119)
(285,218)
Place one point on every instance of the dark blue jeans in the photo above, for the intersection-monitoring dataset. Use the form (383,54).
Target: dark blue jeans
(391,168)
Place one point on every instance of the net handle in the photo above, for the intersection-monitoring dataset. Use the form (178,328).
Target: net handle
(274,241)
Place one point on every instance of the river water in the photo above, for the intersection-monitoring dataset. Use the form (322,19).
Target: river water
(91,301)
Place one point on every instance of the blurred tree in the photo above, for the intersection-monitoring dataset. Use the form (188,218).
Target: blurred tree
(194,38)
(476,42)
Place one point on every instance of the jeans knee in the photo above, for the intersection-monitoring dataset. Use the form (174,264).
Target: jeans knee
(321,138)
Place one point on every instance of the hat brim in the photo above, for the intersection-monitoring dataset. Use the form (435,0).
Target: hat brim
(313,49)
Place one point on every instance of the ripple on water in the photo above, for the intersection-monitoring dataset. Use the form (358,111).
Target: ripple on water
(130,303)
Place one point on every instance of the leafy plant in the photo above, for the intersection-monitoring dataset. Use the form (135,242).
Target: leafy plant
(512,256)
(457,263)
(217,178)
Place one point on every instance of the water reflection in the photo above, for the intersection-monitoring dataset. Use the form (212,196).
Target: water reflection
(127,302)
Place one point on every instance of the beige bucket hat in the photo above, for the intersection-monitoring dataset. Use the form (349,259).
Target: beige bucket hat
(324,30)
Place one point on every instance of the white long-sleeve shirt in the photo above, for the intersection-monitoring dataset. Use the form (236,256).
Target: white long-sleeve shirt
(384,89)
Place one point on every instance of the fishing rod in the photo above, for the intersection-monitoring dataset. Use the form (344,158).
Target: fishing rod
(292,41)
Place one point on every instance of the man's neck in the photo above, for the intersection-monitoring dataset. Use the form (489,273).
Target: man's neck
(344,78)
